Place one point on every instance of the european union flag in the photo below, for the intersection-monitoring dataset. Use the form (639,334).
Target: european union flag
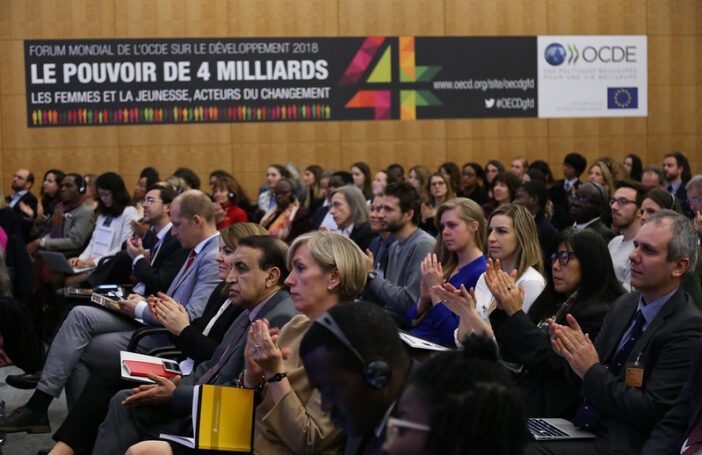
(622,97)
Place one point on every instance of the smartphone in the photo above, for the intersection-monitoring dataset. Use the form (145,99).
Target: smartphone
(171,367)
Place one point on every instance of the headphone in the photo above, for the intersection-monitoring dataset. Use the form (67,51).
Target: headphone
(79,181)
(232,197)
(376,372)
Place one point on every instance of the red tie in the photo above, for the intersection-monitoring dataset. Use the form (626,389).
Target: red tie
(191,258)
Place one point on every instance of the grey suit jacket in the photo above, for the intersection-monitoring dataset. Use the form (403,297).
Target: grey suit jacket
(78,225)
(666,349)
(193,288)
(279,309)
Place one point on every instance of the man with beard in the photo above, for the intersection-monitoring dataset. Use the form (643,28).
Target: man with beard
(399,214)
(627,218)
(677,174)
(587,207)
(22,201)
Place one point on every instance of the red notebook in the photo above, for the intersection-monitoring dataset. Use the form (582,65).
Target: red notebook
(136,368)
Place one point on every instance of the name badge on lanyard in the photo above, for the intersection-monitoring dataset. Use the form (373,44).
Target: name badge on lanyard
(102,240)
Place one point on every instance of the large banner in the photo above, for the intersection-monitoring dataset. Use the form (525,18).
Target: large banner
(158,81)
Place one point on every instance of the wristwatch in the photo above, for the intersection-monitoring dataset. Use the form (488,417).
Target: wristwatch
(371,276)
(276,377)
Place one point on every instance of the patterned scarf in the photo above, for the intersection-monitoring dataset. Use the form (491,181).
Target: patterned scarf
(61,212)
(279,224)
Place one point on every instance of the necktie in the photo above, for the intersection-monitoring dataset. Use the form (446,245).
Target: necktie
(587,415)
(669,188)
(191,258)
(693,443)
(227,352)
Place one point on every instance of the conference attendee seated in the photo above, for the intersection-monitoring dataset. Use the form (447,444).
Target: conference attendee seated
(380,245)
(322,217)
(227,194)
(679,431)
(22,183)
(460,402)
(581,282)
(71,222)
(626,217)
(325,269)
(694,198)
(636,367)
(534,197)
(286,220)
(512,246)
(397,291)
(49,198)
(677,174)
(561,191)
(350,212)
(256,284)
(354,357)
(458,258)
(115,214)
(653,177)
(92,337)
(197,339)
(587,209)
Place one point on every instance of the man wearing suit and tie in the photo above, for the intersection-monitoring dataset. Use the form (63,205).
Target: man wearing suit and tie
(92,337)
(639,362)
(256,284)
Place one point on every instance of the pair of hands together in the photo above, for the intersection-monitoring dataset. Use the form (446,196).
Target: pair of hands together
(171,314)
(264,358)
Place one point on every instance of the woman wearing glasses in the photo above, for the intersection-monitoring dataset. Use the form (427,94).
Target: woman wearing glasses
(439,188)
(523,336)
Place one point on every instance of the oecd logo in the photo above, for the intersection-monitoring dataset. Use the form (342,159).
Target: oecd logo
(555,54)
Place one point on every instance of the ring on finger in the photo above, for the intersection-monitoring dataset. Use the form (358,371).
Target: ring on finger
(509,288)
(256,348)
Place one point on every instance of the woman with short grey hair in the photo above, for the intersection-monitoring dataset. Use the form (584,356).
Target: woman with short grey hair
(350,211)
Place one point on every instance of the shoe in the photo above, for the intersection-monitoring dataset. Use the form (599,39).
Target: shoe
(23,381)
(23,419)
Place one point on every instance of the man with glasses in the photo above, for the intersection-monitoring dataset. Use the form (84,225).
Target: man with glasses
(626,217)
(634,370)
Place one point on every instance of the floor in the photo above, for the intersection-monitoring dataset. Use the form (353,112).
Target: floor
(24,443)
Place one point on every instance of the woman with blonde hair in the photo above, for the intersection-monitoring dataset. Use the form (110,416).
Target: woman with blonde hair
(326,268)
(513,246)
(457,258)
(599,173)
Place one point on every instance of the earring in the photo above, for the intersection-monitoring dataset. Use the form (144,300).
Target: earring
(330,287)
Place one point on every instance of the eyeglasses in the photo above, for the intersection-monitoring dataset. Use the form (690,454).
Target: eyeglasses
(149,200)
(621,201)
(441,183)
(563,257)
(394,427)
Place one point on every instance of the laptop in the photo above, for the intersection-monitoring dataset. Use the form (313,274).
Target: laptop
(57,262)
(555,429)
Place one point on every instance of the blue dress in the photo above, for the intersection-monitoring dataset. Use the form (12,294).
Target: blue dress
(439,324)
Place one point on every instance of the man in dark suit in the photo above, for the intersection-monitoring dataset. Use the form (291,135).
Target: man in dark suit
(22,201)
(573,165)
(677,174)
(256,282)
(680,430)
(638,364)
(354,356)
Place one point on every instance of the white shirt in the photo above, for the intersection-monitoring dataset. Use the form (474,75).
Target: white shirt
(113,236)
(620,251)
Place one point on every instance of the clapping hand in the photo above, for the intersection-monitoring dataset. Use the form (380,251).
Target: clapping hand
(170,313)
(573,345)
(463,304)
(432,275)
(507,294)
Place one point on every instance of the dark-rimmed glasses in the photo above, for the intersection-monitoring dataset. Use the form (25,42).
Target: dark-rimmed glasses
(563,257)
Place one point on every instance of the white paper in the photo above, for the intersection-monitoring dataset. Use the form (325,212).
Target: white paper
(419,343)
(102,240)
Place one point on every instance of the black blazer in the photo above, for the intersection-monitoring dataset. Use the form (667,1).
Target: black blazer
(362,235)
(319,215)
(26,222)
(547,233)
(557,194)
(674,429)
(541,382)
(599,227)
(158,276)
(630,413)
